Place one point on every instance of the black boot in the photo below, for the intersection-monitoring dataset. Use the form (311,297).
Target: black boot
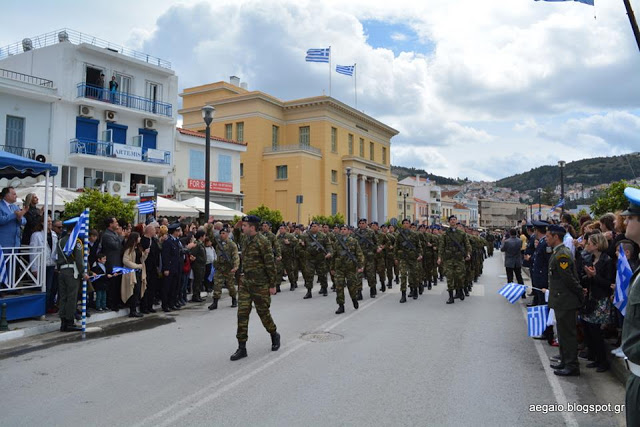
(403,299)
(71,327)
(340,309)
(278,288)
(372,292)
(421,289)
(214,305)
(234,302)
(240,352)
(275,341)
(415,293)
(390,284)
(397,280)
(383,287)
(450,300)
(134,313)
(308,294)
(355,304)
(324,291)
(429,285)
(293,287)
(461,295)
(466,292)
(360,297)
(63,325)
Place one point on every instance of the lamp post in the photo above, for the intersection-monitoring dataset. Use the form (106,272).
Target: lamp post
(348,196)
(539,204)
(207,115)
(404,195)
(562,163)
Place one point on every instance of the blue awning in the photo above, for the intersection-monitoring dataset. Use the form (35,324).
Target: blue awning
(13,166)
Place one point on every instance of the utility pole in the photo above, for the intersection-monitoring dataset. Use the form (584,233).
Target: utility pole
(632,21)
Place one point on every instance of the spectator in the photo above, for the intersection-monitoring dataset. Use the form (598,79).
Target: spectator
(211,257)
(134,284)
(33,216)
(113,88)
(198,257)
(512,260)
(50,242)
(112,247)
(152,265)
(101,284)
(11,218)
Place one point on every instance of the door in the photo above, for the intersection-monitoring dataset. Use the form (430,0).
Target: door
(94,79)
(14,136)
(124,89)
(87,135)
(154,95)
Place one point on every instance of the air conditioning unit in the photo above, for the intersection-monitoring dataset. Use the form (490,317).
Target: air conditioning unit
(148,123)
(110,116)
(117,188)
(41,158)
(86,111)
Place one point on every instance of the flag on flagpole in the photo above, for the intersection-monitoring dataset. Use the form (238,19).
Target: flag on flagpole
(318,55)
(78,232)
(537,319)
(589,2)
(146,207)
(512,292)
(560,203)
(122,270)
(623,278)
(347,70)
(4,274)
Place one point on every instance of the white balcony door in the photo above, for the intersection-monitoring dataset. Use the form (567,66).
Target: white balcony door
(124,87)
(154,93)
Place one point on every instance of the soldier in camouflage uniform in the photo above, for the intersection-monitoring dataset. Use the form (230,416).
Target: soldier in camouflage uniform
(257,285)
(198,264)
(226,265)
(349,261)
(431,259)
(408,255)
(318,250)
(288,243)
(368,244)
(299,254)
(453,251)
(388,254)
(266,232)
(330,262)
(381,266)
(71,273)
(393,234)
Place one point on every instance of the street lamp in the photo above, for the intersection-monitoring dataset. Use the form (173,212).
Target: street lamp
(207,116)
(348,196)
(561,163)
(404,195)
(539,204)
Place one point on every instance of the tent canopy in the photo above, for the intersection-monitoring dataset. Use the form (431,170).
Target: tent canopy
(13,166)
(216,210)
(168,207)
(39,189)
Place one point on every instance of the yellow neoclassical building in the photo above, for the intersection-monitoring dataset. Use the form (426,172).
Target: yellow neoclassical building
(304,147)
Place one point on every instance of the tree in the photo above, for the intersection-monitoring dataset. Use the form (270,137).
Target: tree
(548,197)
(266,214)
(331,221)
(102,205)
(612,199)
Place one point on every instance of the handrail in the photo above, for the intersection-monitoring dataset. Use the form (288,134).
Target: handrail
(29,153)
(19,264)
(297,147)
(105,149)
(124,99)
(14,75)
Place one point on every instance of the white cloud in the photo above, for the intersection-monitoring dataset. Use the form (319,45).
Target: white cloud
(399,37)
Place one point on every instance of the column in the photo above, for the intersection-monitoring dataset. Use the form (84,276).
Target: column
(383,202)
(354,199)
(374,200)
(362,208)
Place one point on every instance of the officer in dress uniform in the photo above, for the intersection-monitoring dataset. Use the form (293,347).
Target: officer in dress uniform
(171,268)
(71,273)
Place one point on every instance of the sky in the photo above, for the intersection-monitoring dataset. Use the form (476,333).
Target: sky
(477,89)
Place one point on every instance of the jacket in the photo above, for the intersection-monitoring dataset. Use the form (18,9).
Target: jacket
(112,246)
(540,264)
(129,280)
(10,225)
(599,286)
(565,291)
(171,256)
(512,252)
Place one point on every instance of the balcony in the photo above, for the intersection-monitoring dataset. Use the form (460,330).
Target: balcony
(119,151)
(29,153)
(293,148)
(25,78)
(125,100)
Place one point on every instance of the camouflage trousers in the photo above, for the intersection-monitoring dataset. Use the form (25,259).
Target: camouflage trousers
(198,280)
(391,267)
(219,278)
(431,269)
(315,265)
(381,267)
(408,273)
(255,293)
(288,263)
(369,272)
(468,272)
(490,250)
(346,277)
(455,273)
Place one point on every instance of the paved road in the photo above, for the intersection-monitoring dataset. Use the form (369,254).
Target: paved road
(386,364)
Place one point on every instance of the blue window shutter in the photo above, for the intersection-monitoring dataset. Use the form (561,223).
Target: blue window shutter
(86,129)
(149,137)
(15,132)
(224,168)
(119,132)
(196,164)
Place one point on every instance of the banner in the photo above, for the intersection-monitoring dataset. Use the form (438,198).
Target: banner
(128,152)
(198,184)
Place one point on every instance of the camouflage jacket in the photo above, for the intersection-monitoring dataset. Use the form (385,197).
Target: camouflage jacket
(227,256)
(408,245)
(454,245)
(367,241)
(349,256)
(258,263)
(316,245)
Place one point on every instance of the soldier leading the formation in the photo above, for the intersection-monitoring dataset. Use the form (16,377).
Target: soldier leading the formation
(453,251)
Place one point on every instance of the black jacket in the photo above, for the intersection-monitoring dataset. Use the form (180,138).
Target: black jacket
(599,286)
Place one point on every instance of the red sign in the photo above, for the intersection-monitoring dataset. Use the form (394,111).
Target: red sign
(198,184)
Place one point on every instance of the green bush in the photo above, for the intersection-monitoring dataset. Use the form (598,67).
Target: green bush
(102,205)
(331,220)
(266,214)
(612,199)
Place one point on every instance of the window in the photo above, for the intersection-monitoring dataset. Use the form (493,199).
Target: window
(361,147)
(274,136)
(350,144)
(69,177)
(384,155)
(334,177)
(334,140)
(14,134)
(334,203)
(112,176)
(224,168)
(158,181)
(228,131)
(240,131)
(196,164)
(372,151)
(241,170)
(281,172)
(305,135)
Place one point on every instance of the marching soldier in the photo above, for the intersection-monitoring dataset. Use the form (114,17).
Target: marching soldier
(453,251)
(367,240)
(408,255)
(388,254)
(71,273)
(266,232)
(332,238)
(318,250)
(257,285)
(226,265)
(349,261)
(288,244)
(381,268)
(431,258)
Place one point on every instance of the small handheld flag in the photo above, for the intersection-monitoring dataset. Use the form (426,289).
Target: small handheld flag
(146,207)
(122,270)
(211,274)
(318,55)
(79,231)
(623,278)
(537,319)
(512,292)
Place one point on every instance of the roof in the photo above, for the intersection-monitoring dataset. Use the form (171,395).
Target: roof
(419,200)
(215,138)
(459,206)
(449,193)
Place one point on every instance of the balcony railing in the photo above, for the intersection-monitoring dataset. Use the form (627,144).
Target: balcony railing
(13,75)
(124,99)
(119,151)
(298,147)
(29,153)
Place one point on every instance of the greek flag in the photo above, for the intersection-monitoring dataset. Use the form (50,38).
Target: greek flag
(623,278)
(589,2)
(79,231)
(560,203)
(318,55)
(4,274)
(537,319)
(122,270)
(347,70)
(96,277)
(146,207)
(512,292)
(211,274)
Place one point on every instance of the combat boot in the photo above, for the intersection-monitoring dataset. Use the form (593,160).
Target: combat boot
(403,299)
(214,305)
(240,352)
(450,300)
(293,287)
(429,285)
(360,297)
(340,309)
(275,341)
(372,292)
(461,294)
(63,325)
(421,288)
(278,288)
(308,294)
(355,303)
(466,292)
(234,302)
(390,285)
(415,293)
(324,291)
(382,287)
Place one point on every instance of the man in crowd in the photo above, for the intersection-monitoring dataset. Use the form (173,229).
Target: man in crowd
(380,257)
(288,245)
(408,255)
(512,256)
(266,232)
(453,251)
(171,268)
(11,218)
(113,247)
(348,262)
(198,262)
(318,250)
(367,240)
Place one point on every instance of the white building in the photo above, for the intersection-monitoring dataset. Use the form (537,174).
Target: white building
(430,193)
(56,101)
(225,168)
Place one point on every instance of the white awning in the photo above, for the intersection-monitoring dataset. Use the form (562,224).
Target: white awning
(216,210)
(169,207)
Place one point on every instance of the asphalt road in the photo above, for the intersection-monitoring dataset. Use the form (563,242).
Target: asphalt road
(386,364)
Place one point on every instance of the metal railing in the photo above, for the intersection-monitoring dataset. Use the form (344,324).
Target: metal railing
(13,75)
(19,263)
(105,149)
(297,147)
(29,153)
(76,37)
(124,99)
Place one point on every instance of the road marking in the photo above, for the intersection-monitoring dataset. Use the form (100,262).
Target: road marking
(186,405)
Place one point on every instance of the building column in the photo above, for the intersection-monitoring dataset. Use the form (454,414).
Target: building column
(374,200)
(382,202)
(354,199)
(362,211)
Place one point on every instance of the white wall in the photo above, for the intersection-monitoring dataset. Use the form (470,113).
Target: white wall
(37,115)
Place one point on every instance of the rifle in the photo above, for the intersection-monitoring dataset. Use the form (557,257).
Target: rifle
(349,254)
(457,245)
(364,239)
(224,254)
(318,244)
(406,242)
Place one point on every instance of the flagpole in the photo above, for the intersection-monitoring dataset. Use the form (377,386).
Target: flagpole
(632,20)
(329,70)
(355,83)
(85,273)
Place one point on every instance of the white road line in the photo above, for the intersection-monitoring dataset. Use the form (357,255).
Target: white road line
(186,405)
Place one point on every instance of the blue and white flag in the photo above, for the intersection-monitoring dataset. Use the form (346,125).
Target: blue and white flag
(211,274)
(318,55)
(122,270)
(512,292)
(537,319)
(4,273)
(96,277)
(146,207)
(589,2)
(623,278)
(560,203)
(78,232)
(347,70)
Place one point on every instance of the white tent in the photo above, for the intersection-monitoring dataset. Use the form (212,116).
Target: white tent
(61,195)
(216,210)
(169,207)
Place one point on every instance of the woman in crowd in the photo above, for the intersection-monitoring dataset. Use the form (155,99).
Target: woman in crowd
(33,217)
(50,243)
(134,284)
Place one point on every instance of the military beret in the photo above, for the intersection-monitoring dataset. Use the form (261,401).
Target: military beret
(266,222)
(539,223)
(633,195)
(362,220)
(341,226)
(452,217)
(373,223)
(173,227)
(558,229)
(313,223)
(251,218)
(420,226)
(224,230)
(383,226)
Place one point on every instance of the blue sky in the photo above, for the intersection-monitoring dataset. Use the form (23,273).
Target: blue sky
(398,37)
